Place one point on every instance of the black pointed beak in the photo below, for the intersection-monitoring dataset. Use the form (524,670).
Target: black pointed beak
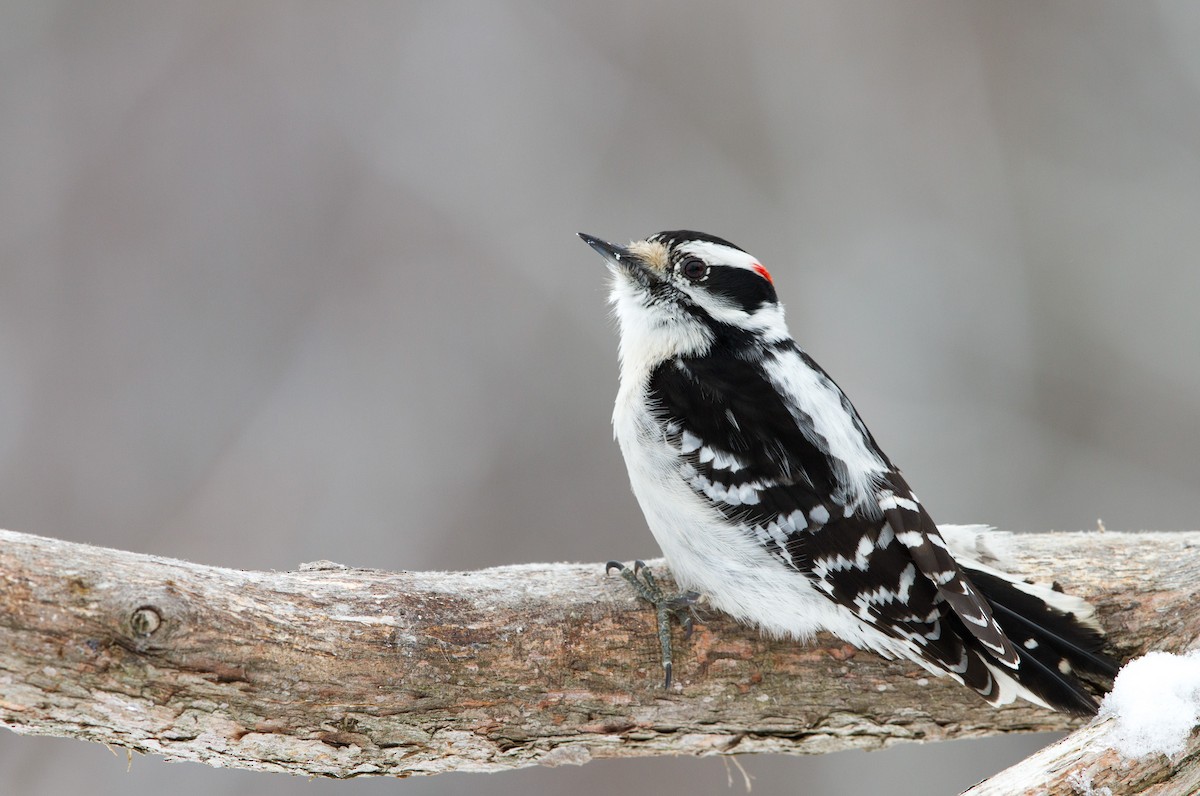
(613,254)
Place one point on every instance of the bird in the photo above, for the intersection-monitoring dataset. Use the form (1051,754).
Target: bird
(769,496)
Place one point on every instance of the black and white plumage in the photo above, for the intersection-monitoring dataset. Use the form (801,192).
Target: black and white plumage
(767,493)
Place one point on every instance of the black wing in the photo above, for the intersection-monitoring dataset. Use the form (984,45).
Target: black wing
(758,462)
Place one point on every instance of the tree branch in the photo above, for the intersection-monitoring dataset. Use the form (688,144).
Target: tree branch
(344,672)
(1082,765)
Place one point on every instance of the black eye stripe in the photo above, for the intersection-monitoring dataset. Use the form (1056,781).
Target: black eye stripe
(741,286)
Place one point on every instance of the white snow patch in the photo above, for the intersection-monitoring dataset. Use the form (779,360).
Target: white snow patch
(1081,783)
(1155,702)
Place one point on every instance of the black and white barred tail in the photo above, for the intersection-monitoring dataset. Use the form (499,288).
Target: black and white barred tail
(1059,642)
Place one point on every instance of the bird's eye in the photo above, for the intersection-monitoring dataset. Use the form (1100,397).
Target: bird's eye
(693,268)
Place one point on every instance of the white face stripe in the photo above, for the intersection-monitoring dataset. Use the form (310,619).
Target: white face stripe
(718,254)
(767,320)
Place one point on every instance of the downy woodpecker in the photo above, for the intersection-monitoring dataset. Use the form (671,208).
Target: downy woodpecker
(769,496)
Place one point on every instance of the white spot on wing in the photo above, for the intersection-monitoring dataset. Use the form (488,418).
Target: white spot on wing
(886,536)
(981,621)
(907,578)
(889,500)
(722,460)
(860,554)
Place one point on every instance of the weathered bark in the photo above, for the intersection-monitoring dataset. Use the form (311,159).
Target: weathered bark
(1082,765)
(340,672)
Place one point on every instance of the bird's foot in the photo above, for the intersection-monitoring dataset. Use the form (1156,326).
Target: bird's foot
(679,606)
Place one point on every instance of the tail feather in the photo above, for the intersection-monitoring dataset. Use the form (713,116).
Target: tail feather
(1088,658)
(1060,689)
(1057,645)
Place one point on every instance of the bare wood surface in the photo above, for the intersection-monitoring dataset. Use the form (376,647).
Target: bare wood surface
(1082,765)
(345,672)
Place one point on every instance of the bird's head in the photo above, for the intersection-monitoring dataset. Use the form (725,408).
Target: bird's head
(682,292)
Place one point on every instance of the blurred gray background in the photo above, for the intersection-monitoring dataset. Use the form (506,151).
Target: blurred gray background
(290,281)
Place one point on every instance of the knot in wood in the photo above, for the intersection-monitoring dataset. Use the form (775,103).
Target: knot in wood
(145,620)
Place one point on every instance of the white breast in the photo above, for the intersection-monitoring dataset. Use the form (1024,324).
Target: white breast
(710,555)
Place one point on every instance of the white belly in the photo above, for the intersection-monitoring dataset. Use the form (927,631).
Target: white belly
(709,555)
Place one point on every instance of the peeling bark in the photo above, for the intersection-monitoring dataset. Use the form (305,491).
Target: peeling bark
(343,672)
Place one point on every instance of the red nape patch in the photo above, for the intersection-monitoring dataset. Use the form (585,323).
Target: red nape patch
(763,272)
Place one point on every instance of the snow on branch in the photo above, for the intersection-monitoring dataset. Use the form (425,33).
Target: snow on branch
(1143,743)
(343,672)
(1085,763)
(1155,704)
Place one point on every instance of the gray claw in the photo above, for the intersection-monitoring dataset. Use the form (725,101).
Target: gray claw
(679,606)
